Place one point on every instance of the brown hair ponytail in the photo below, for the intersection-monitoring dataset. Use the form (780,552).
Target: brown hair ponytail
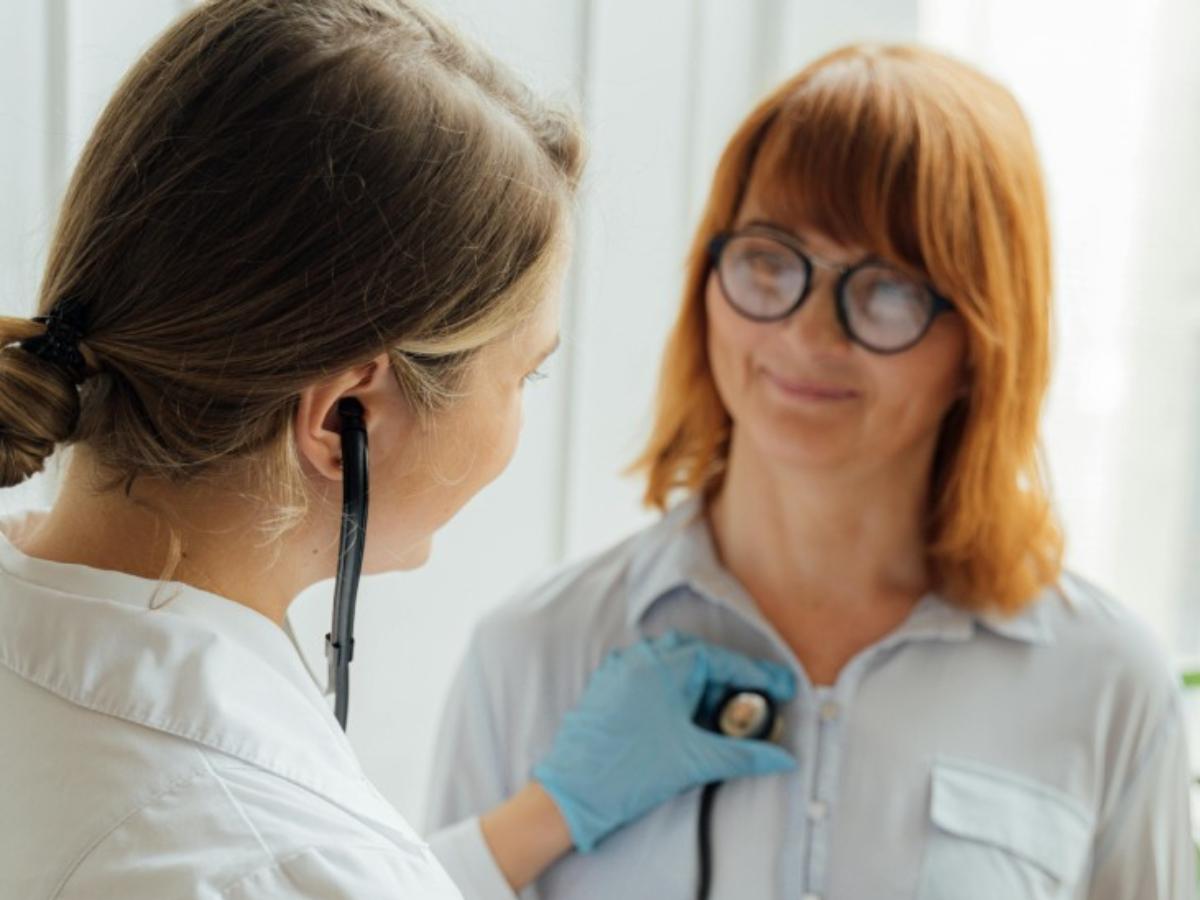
(276,192)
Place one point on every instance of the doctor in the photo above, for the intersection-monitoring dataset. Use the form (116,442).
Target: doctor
(284,206)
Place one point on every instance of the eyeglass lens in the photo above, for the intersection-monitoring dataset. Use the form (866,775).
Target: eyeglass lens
(881,307)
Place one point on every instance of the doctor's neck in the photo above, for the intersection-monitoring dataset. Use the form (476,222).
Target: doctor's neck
(221,546)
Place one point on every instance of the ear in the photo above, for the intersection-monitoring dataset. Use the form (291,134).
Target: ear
(317,424)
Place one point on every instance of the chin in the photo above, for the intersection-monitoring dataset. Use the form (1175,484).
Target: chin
(811,447)
(384,559)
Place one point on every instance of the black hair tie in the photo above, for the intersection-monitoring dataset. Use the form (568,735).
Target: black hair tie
(59,346)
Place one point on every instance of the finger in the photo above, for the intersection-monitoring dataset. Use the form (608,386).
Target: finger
(613,658)
(713,695)
(731,668)
(672,640)
(727,758)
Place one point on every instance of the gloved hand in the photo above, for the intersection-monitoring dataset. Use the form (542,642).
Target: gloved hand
(631,742)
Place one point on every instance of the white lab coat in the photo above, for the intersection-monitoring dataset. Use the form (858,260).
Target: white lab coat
(159,741)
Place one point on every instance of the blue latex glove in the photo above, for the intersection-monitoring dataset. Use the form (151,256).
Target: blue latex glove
(631,742)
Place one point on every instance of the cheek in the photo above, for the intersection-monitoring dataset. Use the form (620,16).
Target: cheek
(919,387)
(504,432)
(731,341)
(416,492)
(485,440)
(946,365)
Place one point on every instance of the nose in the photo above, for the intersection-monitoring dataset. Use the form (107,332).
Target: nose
(815,325)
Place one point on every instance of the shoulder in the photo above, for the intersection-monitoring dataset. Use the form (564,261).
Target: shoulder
(332,871)
(344,872)
(1115,672)
(105,771)
(241,831)
(1088,620)
(1105,643)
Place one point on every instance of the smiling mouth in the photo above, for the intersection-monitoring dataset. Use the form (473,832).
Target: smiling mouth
(810,390)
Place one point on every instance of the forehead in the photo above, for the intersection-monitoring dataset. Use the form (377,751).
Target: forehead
(831,186)
(755,212)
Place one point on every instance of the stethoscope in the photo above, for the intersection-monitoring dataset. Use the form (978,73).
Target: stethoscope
(742,714)
(339,643)
(746,715)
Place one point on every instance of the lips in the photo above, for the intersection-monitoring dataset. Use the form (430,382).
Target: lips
(807,389)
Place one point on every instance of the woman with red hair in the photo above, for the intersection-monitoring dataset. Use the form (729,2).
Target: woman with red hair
(848,413)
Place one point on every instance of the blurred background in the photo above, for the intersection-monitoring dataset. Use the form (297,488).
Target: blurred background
(1113,93)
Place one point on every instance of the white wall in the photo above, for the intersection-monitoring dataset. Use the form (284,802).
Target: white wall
(30,163)
(660,86)
(1113,94)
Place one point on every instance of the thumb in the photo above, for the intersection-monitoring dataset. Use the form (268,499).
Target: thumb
(726,758)
(729,667)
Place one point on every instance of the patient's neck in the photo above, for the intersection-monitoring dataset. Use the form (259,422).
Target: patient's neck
(822,537)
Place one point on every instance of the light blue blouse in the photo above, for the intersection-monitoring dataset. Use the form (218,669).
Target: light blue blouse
(962,756)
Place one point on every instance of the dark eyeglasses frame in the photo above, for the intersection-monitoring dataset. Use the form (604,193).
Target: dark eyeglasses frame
(719,242)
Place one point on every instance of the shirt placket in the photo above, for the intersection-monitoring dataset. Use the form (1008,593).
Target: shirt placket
(817,804)
(820,747)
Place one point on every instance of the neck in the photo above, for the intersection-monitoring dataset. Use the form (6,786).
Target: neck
(824,537)
(222,548)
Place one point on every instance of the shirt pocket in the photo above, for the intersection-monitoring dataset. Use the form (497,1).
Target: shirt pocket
(996,834)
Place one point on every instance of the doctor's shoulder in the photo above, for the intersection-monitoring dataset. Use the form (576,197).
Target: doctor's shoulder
(233,831)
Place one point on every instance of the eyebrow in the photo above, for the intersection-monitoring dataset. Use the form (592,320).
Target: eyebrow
(778,229)
(799,243)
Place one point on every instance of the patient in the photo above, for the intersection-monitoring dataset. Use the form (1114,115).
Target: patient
(845,454)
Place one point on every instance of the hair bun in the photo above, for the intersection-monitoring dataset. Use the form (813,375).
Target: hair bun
(39,408)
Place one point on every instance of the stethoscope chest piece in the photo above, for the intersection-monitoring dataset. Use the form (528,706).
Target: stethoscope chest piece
(749,715)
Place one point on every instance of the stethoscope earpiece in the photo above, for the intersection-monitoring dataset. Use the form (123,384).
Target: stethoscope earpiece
(339,643)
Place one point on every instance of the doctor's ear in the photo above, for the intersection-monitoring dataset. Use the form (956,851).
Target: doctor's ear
(318,425)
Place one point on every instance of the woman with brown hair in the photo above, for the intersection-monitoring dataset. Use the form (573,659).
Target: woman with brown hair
(293,219)
(849,414)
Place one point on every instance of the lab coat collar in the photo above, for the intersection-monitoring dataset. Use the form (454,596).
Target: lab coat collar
(679,552)
(183,661)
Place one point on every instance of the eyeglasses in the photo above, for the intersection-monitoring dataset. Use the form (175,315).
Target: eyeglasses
(766,279)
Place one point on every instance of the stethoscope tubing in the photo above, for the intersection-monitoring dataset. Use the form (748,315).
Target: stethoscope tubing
(339,643)
(704,839)
(708,794)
